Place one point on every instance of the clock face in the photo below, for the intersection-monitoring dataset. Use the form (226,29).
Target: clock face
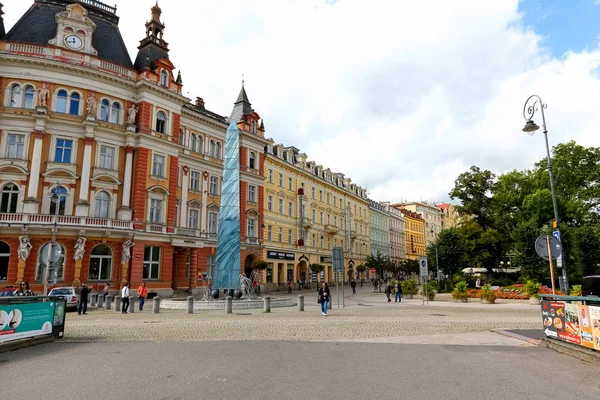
(74,42)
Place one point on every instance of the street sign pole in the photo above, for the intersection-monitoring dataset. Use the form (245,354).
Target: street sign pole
(550,261)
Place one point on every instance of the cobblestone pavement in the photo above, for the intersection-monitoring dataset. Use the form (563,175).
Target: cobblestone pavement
(364,319)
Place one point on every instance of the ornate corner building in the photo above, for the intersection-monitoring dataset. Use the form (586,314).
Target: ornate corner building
(109,155)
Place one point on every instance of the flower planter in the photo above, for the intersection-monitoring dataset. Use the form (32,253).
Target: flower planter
(486,301)
(534,300)
(409,296)
(461,300)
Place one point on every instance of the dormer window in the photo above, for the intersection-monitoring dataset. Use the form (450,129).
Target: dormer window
(164,78)
(253,126)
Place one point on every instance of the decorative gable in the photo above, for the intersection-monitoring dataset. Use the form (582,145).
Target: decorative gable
(74,30)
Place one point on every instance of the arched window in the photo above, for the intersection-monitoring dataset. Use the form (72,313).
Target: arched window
(213,148)
(29,91)
(200,144)
(164,78)
(4,258)
(100,263)
(253,126)
(15,96)
(102,205)
(218,154)
(115,114)
(10,195)
(193,142)
(161,122)
(61,202)
(104,110)
(252,162)
(74,105)
(57,256)
(61,101)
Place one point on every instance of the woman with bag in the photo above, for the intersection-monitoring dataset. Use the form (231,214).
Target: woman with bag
(324,296)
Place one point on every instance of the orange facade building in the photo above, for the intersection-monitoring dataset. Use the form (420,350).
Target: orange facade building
(136,167)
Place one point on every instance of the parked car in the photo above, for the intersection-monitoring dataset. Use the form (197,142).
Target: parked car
(591,286)
(71,294)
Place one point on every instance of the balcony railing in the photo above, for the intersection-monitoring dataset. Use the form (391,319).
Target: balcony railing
(64,220)
(331,229)
(307,222)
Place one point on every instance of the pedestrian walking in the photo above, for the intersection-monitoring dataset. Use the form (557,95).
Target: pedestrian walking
(289,286)
(125,298)
(353,285)
(323,297)
(105,291)
(398,288)
(388,290)
(375,284)
(142,294)
(23,290)
(83,299)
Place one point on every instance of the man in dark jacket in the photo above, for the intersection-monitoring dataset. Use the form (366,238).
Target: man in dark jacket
(353,285)
(83,299)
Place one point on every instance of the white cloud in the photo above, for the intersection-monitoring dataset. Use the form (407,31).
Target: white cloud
(400,96)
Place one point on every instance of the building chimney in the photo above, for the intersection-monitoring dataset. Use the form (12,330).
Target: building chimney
(2,31)
(200,102)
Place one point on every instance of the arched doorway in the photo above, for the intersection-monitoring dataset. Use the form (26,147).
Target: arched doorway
(248,265)
(350,271)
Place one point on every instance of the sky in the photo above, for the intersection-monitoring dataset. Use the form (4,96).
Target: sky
(401,96)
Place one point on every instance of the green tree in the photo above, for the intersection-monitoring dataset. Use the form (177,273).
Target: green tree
(474,189)
(586,250)
(379,262)
(451,251)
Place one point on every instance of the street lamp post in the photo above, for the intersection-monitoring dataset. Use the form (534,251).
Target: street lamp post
(437,262)
(533,104)
(50,262)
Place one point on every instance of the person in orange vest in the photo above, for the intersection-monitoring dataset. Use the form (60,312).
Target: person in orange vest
(142,293)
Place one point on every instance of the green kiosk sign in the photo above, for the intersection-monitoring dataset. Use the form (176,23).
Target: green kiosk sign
(25,320)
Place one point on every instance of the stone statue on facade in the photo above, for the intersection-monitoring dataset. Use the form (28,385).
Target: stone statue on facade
(42,104)
(131,116)
(24,248)
(79,248)
(91,107)
(126,253)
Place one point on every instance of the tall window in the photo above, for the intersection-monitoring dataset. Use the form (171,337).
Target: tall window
(214,185)
(218,152)
(15,146)
(320,195)
(321,217)
(4,259)
(15,96)
(158,166)
(252,193)
(210,267)
(100,263)
(327,198)
(270,233)
(313,193)
(212,149)
(290,209)
(74,104)
(289,236)
(252,161)
(164,78)
(193,142)
(156,211)
(270,203)
(62,153)
(151,263)
(213,222)
(195,180)
(107,157)
(194,218)
(270,176)
(10,196)
(29,91)
(61,203)
(280,180)
(280,206)
(61,101)
(161,122)
(251,227)
(335,220)
(314,216)
(58,256)
(102,205)
(280,235)
(115,114)
(290,184)
(104,110)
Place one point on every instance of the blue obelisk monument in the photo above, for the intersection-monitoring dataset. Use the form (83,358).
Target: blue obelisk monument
(227,268)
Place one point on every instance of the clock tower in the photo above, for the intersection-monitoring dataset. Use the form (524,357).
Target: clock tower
(74,30)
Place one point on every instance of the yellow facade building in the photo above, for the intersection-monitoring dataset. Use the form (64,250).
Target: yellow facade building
(309,210)
(415,233)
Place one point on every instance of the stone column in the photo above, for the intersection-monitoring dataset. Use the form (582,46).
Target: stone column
(76,280)
(20,270)
(204,218)
(31,201)
(185,184)
(83,205)
(125,212)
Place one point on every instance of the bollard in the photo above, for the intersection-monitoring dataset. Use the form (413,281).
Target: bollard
(228,304)
(190,305)
(301,302)
(93,299)
(131,308)
(267,304)
(156,305)
(108,303)
(100,303)
(118,303)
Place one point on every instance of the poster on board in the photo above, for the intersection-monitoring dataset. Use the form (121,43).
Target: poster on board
(25,320)
(585,324)
(553,319)
(595,317)
(572,334)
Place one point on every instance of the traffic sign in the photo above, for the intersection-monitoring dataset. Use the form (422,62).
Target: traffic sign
(556,234)
(541,247)
(338,259)
(424,271)
(373,270)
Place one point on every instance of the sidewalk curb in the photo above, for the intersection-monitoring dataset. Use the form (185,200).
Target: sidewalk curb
(576,351)
(516,336)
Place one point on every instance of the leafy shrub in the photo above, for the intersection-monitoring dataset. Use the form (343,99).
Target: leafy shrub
(409,287)
(576,290)
(429,289)
(460,290)
(532,288)
(435,285)
(488,294)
